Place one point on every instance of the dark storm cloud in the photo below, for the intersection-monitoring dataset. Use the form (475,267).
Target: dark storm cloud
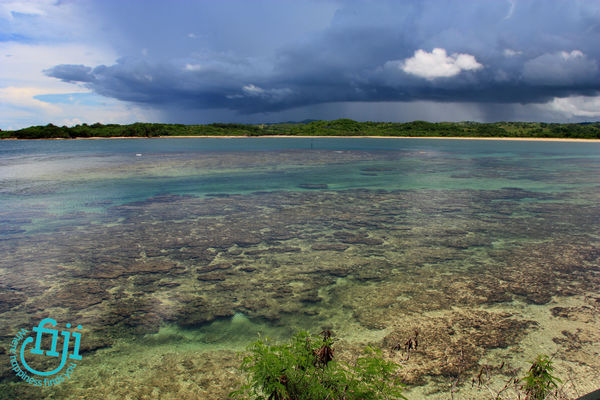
(250,60)
(71,73)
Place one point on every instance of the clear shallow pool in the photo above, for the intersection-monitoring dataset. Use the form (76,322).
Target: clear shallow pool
(174,259)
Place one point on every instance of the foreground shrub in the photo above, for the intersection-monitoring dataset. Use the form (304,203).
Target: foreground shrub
(539,381)
(305,369)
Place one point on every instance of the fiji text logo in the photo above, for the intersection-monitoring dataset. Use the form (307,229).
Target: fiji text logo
(54,376)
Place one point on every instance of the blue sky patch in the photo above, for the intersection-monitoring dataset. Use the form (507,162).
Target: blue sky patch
(85,99)
(14,37)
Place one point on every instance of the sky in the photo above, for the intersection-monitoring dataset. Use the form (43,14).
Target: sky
(69,62)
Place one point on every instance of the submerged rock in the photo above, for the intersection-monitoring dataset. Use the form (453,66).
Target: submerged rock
(198,312)
(313,186)
(329,247)
(374,260)
(452,345)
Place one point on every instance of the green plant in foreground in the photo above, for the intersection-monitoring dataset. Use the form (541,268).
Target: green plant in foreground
(304,369)
(539,381)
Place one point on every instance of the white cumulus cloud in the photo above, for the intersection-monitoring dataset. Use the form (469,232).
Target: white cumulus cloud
(438,64)
(271,95)
(194,67)
(512,53)
(7,8)
(577,106)
(252,90)
(24,97)
(573,54)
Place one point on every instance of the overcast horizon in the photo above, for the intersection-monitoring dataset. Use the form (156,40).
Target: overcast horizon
(72,62)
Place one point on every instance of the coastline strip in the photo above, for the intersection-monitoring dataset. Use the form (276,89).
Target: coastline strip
(324,137)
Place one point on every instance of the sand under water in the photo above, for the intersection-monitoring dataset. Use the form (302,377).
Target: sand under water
(175,259)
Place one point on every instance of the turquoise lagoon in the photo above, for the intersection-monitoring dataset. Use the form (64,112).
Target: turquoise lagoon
(174,254)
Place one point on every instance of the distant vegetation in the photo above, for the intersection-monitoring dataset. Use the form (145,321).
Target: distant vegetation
(340,127)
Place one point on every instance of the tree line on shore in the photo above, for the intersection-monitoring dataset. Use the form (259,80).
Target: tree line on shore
(340,127)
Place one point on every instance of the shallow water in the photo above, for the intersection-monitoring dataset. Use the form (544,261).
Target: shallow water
(174,254)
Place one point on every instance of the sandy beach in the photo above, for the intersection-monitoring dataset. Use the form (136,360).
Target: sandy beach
(324,137)
(403,137)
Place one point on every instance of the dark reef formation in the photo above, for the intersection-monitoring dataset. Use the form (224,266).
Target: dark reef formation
(380,259)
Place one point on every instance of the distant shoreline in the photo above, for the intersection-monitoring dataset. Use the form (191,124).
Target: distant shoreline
(315,129)
(399,137)
(324,137)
